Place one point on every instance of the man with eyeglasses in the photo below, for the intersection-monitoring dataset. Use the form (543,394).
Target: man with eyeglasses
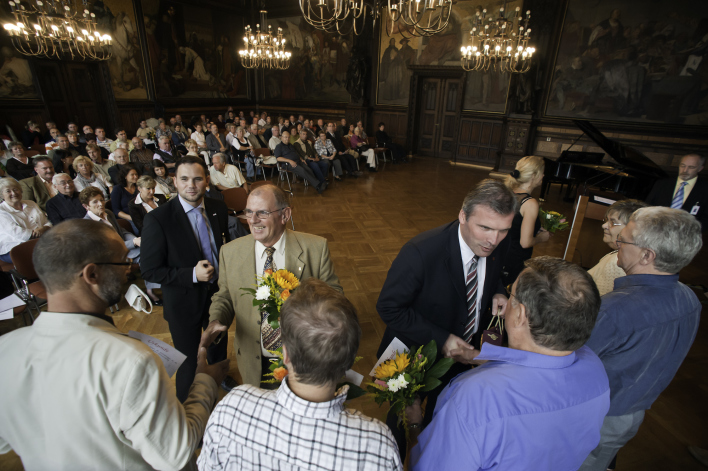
(101,399)
(646,326)
(185,236)
(66,204)
(269,246)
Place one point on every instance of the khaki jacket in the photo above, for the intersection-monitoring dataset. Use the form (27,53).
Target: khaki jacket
(306,255)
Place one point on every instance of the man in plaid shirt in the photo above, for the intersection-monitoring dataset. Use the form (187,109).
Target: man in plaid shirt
(303,424)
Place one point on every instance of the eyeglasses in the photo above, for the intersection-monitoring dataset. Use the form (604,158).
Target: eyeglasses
(605,221)
(128,261)
(260,214)
(508,290)
(619,242)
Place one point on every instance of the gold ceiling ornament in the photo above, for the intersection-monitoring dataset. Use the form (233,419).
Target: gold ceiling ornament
(499,43)
(263,50)
(55,29)
(419,18)
(339,16)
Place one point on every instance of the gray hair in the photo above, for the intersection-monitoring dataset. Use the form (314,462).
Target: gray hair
(57,176)
(673,235)
(164,137)
(561,300)
(60,254)
(281,199)
(493,194)
(623,209)
(9,182)
(220,155)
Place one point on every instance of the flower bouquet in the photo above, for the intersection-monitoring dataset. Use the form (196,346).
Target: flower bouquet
(399,379)
(552,221)
(151,134)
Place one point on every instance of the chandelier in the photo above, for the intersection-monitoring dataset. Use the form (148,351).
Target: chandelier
(499,43)
(53,29)
(418,17)
(334,15)
(263,51)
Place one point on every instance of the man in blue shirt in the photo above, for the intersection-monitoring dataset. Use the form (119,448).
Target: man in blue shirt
(537,405)
(647,323)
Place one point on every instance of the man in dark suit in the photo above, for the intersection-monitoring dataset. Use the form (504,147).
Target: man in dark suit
(185,236)
(430,292)
(686,192)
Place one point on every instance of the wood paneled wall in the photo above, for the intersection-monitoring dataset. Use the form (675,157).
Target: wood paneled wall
(16,115)
(480,141)
(396,124)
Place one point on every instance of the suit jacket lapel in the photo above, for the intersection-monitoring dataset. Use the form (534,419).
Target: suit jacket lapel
(186,227)
(293,254)
(454,262)
(214,222)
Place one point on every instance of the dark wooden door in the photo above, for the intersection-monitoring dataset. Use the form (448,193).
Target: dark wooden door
(73,91)
(438,116)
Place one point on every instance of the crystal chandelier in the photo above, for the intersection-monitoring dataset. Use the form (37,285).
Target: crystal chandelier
(418,18)
(56,31)
(263,51)
(338,16)
(499,43)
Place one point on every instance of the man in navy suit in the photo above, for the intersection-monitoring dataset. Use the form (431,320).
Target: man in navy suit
(431,291)
(686,192)
(184,237)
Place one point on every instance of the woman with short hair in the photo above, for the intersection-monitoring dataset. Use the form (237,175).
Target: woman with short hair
(85,176)
(145,201)
(20,220)
(165,185)
(124,192)
(360,145)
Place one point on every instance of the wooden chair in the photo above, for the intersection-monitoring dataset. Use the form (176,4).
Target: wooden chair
(29,287)
(348,145)
(31,153)
(125,224)
(235,199)
(264,152)
(378,150)
(255,185)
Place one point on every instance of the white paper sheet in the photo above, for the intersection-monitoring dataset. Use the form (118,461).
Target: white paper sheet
(5,315)
(607,201)
(10,302)
(170,356)
(354,377)
(390,352)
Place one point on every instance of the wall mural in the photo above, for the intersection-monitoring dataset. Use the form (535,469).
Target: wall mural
(632,60)
(193,51)
(16,80)
(485,91)
(318,67)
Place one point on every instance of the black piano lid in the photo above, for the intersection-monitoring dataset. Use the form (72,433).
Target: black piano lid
(631,160)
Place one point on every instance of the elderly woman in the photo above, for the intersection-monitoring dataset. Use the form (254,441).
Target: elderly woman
(124,192)
(20,220)
(85,176)
(19,166)
(145,201)
(243,152)
(165,185)
(359,144)
(92,199)
(616,217)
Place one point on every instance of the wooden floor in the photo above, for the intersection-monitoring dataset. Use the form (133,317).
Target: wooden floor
(367,220)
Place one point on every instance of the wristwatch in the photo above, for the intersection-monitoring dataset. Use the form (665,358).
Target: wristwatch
(415,426)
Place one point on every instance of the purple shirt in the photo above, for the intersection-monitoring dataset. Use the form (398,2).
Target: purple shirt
(519,410)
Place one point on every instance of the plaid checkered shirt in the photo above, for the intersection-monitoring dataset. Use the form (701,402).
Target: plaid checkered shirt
(255,429)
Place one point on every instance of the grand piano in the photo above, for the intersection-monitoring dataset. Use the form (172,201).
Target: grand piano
(627,172)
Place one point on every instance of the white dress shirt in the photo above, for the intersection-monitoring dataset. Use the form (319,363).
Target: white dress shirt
(467,255)
(16,226)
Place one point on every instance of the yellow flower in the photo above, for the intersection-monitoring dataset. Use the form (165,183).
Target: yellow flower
(392,366)
(286,280)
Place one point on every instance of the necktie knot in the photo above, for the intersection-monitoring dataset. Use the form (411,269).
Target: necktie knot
(270,251)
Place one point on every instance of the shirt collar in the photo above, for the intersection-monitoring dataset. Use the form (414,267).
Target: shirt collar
(690,182)
(13,210)
(467,253)
(645,280)
(138,199)
(98,219)
(524,358)
(278,246)
(315,410)
(188,207)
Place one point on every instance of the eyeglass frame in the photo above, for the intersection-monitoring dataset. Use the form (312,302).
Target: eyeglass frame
(619,242)
(128,262)
(508,290)
(260,216)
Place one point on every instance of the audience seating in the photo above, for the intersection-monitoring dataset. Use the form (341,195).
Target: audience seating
(378,150)
(235,199)
(263,153)
(125,224)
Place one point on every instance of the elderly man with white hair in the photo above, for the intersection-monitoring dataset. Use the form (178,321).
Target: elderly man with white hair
(20,220)
(647,324)
(66,204)
(224,175)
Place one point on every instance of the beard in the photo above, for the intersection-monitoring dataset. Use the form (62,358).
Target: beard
(112,290)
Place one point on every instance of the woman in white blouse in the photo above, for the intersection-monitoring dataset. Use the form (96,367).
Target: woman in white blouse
(85,176)
(20,220)
(198,137)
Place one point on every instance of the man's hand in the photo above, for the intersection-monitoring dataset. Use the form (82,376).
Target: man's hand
(466,355)
(292,163)
(453,342)
(414,413)
(218,371)
(213,330)
(39,231)
(136,241)
(204,271)
(499,303)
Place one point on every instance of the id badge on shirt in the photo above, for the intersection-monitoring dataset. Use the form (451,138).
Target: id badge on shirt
(695,209)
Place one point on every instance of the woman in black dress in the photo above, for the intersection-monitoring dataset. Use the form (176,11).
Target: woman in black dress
(526,228)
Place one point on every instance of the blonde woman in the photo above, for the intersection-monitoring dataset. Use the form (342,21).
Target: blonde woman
(85,176)
(526,229)
(20,220)
(192,148)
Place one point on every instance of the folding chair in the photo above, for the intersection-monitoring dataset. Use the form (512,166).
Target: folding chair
(378,149)
(29,288)
(264,152)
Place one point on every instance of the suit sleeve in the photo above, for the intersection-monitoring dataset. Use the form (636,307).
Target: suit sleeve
(27,193)
(327,269)
(153,262)
(654,195)
(52,213)
(162,430)
(221,308)
(403,283)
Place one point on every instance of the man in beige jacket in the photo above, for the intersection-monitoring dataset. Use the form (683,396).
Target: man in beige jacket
(79,394)
(305,255)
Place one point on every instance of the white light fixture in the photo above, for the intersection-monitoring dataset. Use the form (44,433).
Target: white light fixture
(263,50)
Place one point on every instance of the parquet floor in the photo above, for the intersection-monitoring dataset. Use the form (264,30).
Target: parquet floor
(367,220)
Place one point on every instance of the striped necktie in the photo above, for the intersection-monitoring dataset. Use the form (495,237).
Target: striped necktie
(471,301)
(677,202)
(271,338)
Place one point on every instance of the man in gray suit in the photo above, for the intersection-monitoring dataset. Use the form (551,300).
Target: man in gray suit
(40,188)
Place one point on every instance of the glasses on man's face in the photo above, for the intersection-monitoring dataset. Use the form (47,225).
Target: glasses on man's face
(260,214)
(508,290)
(619,242)
(128,262)
(609,221)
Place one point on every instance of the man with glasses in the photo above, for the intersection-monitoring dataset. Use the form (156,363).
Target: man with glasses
(270,245)
(66,204)
(646,326)
(185,236)
(102,399)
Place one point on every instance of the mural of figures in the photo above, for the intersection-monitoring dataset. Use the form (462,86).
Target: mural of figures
(15,74)
(318,67)
(632,60)
(485,91)
(117,18)
(193,51)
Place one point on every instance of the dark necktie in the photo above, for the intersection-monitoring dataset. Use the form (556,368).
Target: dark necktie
(471,301)
(271,338)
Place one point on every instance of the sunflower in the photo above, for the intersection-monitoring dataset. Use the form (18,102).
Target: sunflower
(286,280)
(393,366)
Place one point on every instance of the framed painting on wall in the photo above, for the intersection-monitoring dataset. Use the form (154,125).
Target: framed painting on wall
(637,61)
(16,77)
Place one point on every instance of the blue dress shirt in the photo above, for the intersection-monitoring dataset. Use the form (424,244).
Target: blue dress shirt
(645,329)
(192,214)
(521,410)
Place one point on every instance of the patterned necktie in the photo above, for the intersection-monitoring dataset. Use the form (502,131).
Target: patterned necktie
(271,338)
(204,238)
(471,301)
(677,202)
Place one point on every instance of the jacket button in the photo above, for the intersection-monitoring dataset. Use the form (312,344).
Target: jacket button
(258,322)
(258,357)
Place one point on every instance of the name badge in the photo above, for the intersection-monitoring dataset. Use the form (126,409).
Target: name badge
(695,209)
